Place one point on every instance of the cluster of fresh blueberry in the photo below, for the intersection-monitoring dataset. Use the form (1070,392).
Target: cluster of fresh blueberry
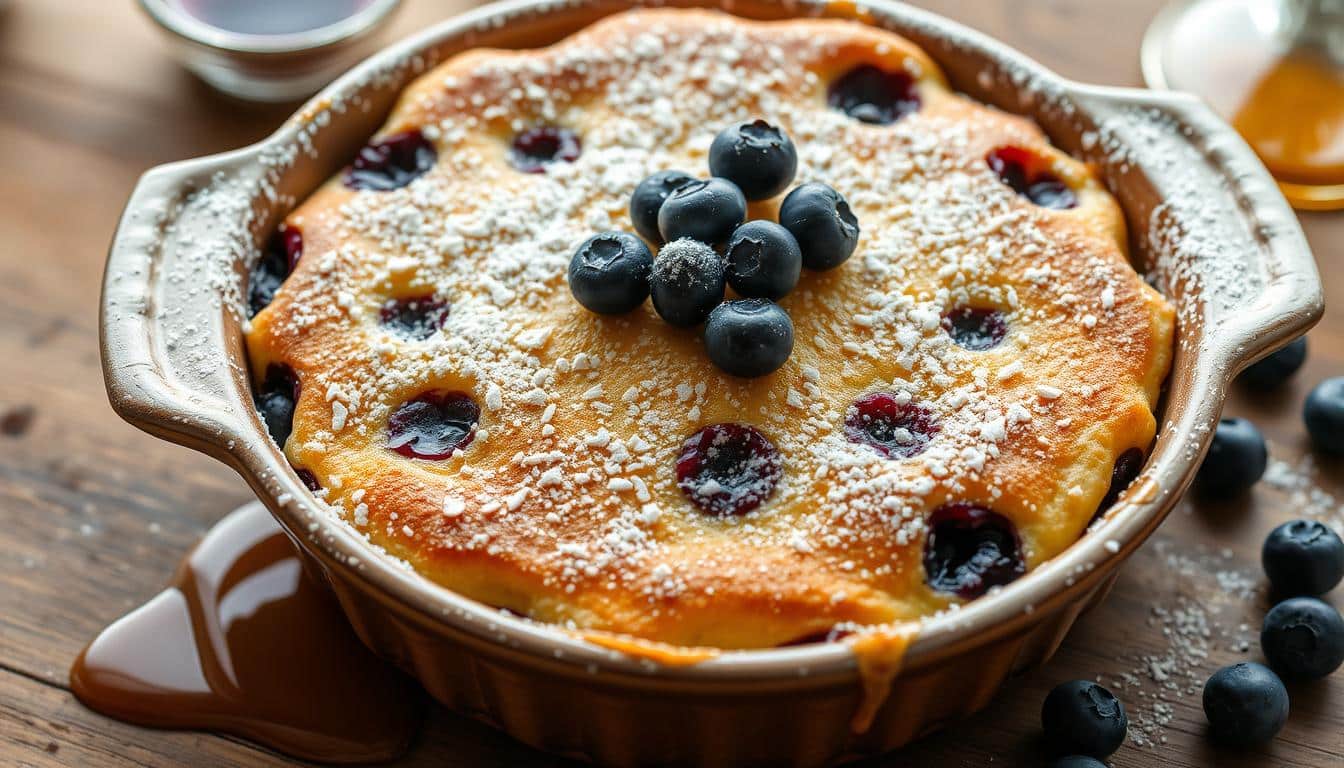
(707,245)
(1302,639)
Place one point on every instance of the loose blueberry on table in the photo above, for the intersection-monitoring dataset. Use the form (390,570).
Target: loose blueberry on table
(728,469)
(763,260)
(1077,761)
(1303,638)
(758,157)
(433,425)
(686,283)
(648,199)
(536,149)
(1246,704)
(970,549)
(820,219)
(1324,415)
(1236,460)
(609,273)
(872,95)
(1277,367)
(749,337)
(391,162)
(1303,557)
(1083,718)
(706,210)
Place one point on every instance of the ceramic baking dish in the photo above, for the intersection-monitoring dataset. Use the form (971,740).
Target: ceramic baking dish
(1209,228)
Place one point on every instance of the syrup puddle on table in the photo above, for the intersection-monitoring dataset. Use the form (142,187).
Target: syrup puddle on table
(244,641)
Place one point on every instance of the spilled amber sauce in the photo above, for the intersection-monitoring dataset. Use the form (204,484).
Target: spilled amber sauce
(880,653)
(659,653)
(246,642)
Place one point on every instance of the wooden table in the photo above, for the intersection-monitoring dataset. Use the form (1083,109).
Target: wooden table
(94,515)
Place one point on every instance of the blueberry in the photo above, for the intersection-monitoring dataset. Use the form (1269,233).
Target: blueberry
(1303,638)
(1303,557)
(758,157)
(687,282)
(763,260)
(648,199)
(276,399)
(1081,717)
(1236,459)
(707,211)
(609,273)
(970,549)
(1275,368)
(391,162)
(873,95)
(1077,761)
(1324,414)
(1245,703)
(820,220)
(749,337)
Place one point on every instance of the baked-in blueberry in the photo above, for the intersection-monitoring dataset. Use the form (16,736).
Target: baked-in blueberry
(1245,704)
(758,157)
(763,260)
(433,425)
(1303,638)
(1324,414)
(391,162)
(707,210)
(1081,717)
(609,273)
(278,259)
(1021,170)
(891,425)
(1077,761)
(1303,557)
(1276,367)
(749,337)
(1123,473)
(536,148)
(1236,460)
(820,220)
(687,282)
(969,549)
(873,95)
(648,199)
(414,317)
(728,469)
(975,328)
(276,399)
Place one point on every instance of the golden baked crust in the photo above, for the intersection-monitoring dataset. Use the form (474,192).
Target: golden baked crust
(565,507)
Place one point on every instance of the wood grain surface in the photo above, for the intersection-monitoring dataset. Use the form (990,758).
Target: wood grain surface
(94,515)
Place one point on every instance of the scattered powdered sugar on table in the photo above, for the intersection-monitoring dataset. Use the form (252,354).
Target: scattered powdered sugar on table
(1199,613)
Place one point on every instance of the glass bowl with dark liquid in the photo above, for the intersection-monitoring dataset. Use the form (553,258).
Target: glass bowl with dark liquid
(270,50)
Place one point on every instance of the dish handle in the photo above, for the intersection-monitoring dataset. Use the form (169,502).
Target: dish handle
(163,346)
(1212,219)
